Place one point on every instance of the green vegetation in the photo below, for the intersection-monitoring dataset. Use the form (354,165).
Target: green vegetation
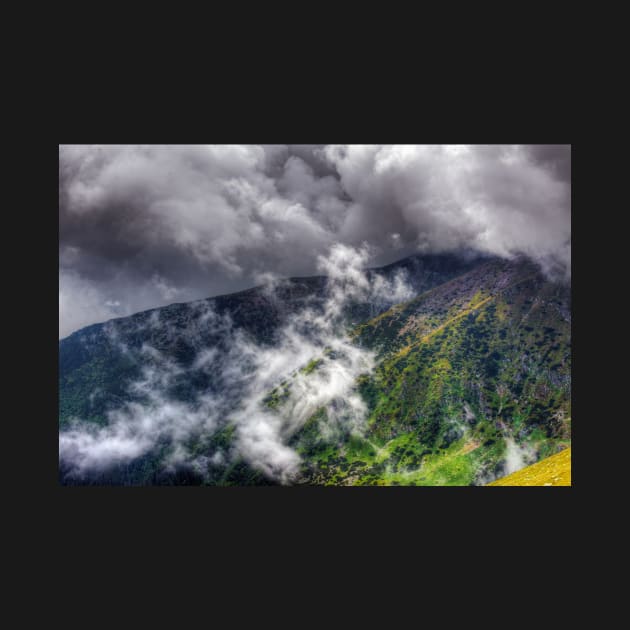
(311,366)
(463,367)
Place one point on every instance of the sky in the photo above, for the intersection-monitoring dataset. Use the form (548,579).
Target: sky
(142,226)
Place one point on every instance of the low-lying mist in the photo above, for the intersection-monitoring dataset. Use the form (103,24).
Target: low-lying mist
(265,393)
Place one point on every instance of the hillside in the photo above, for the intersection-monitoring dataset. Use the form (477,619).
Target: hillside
(551,471)
(465,382)
(474,378)
(91,360)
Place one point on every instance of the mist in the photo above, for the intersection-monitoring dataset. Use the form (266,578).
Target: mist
(312,367)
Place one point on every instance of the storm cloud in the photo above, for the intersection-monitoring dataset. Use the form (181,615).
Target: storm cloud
(144,226)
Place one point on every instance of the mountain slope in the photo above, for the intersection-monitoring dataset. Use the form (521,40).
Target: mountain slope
(472,378)
(551,471)
(94,374)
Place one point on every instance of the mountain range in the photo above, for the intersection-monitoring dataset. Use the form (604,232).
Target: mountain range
(434,370)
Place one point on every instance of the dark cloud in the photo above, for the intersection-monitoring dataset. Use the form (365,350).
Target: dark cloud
(556,157)
(142,226)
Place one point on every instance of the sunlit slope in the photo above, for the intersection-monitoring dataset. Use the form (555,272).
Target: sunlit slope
(552,471)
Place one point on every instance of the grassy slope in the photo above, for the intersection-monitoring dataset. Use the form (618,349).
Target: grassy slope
(493,341)
(552,471)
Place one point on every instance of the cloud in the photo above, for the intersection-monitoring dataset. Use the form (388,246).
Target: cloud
(517,456)
(503,200)
(313,334)
(139,425)
(147,225)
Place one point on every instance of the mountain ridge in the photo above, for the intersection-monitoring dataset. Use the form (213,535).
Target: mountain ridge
(316,278)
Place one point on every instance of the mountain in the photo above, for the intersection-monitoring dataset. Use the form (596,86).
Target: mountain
(435,370)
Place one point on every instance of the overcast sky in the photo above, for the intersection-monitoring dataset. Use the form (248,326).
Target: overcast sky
(144,226)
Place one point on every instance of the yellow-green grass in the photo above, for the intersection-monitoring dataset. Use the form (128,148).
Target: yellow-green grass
(551,471)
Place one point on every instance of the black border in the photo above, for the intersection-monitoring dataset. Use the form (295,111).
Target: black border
(406,520)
